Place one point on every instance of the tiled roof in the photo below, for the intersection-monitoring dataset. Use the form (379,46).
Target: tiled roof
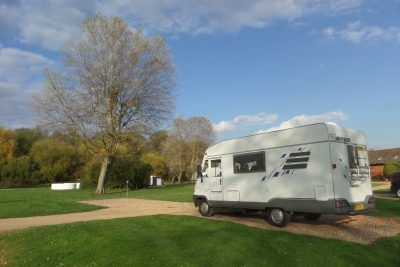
(384,156)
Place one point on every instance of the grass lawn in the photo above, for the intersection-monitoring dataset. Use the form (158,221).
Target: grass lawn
(43,201)
(184,241)
(387,207)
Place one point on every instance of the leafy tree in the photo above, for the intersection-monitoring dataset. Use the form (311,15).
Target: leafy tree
(116,81)
(7,145)
(157,141)
(391,168)
(57,160)
(25,137)
(20,171)
(130,169)
(157,162)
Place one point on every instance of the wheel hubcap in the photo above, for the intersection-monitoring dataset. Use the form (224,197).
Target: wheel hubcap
(277,215)
(398,192)
(204,207)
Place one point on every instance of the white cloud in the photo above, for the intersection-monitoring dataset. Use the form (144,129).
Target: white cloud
(51,23)
(300,120)
(358,32)
(243,121)
(20,76)
(223,126)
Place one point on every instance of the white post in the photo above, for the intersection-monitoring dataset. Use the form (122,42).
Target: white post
(127,187)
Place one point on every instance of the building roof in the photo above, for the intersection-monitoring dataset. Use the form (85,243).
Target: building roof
(384,156)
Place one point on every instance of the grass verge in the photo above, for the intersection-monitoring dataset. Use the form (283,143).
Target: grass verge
(184,241)
(43,201)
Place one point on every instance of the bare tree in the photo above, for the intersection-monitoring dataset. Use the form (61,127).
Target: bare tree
(200,135)
(187,143)
(114,81)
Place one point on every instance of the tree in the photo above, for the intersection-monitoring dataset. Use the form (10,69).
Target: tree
(58,161)
(25,137)
(176,150)
(391,168)
(7,145)
(200,135)
(187,143)
(116,81)
(157,141)
(157,162)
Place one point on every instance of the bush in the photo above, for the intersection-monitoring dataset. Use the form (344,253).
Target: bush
(391,168)
(131,169)
(124,168)
(58,161)
(20,171)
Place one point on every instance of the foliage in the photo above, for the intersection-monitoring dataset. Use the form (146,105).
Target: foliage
(124,168)
(7,145)
(25,137)
(157,141)
(21,171)
(129,169)
(391,168)
(58,161)
(157,162)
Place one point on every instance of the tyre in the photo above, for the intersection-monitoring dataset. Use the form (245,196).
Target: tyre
(398,192)
(205,209)
(312,216)
(278,217)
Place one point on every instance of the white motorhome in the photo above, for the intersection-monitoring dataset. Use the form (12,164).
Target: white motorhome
(309,170)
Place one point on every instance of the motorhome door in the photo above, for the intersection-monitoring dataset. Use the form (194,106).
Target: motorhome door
(215,174)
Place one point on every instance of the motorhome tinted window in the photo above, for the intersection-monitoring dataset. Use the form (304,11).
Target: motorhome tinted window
(245,163)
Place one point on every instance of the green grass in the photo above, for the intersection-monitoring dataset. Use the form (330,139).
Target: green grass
(184,241)
(43,201)
(387,207)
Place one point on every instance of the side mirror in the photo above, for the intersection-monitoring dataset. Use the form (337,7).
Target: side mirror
(199,172)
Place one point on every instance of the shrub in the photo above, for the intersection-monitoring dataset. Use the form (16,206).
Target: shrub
(20,171)
(131,169)
(58,161)
(391,168)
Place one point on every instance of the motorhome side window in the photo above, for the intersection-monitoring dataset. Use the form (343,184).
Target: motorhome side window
(245,163)
(216,170)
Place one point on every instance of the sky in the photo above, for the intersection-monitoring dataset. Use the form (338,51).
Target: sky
(248,66)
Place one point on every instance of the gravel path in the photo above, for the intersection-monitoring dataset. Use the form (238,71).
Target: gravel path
(360,229)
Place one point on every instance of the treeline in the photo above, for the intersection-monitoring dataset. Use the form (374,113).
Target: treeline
(31,157)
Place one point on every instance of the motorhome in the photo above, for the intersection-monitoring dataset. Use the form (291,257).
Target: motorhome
(308,170)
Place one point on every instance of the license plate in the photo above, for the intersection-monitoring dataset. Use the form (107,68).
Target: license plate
(358,206)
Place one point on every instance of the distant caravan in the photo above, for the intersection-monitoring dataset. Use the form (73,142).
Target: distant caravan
(309,170)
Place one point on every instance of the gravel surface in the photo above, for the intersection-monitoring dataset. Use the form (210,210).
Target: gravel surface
(360,229)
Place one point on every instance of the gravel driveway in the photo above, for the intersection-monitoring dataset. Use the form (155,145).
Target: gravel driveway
(360,229)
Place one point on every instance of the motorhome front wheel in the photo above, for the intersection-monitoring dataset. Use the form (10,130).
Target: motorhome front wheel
(205,209)
(278,217)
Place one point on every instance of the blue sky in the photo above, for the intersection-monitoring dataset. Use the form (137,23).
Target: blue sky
(247,66)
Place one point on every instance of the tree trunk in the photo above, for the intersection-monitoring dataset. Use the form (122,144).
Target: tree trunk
(104,172)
